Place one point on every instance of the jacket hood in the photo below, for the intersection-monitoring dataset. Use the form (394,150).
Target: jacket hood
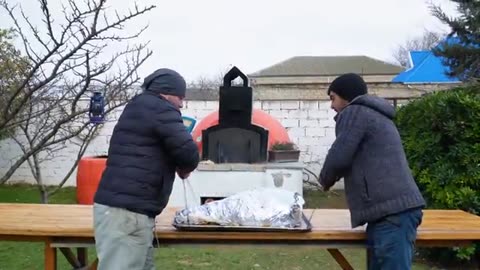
(378,104)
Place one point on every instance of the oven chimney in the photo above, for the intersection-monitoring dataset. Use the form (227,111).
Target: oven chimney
(235,139)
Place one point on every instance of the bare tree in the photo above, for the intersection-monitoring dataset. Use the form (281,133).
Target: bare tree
(212,82)
(29,134)
(13,67)
(424,42)
(206,83)
(49,107)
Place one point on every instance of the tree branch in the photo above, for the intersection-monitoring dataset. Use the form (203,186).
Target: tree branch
(48,20)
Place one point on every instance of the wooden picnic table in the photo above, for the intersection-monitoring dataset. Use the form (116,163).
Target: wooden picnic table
(64,227)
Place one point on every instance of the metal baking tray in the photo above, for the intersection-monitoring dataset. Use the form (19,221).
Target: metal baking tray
(306,226)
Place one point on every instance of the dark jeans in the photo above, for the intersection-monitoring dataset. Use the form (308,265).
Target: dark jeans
(391,240)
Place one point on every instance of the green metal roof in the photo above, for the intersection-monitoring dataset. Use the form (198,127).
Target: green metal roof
(328,65)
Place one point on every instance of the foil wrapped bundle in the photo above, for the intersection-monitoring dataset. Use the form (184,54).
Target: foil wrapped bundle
(266,207)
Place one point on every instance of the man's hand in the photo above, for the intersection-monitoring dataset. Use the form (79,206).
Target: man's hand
(183,174)
(322,186)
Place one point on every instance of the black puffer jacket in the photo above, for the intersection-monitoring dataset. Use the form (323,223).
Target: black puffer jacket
(148,143)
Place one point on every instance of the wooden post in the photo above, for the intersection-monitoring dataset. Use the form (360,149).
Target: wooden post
(50,256)
(94,265)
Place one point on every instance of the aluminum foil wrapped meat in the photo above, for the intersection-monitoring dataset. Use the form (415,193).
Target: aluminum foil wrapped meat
(266,207)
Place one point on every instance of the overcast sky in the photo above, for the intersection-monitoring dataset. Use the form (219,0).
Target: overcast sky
(203,37)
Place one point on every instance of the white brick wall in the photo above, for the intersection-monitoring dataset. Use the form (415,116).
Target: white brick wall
(290,123)
(269,105)
(315,132)
(309,124)
(320,114)
(293,105)
(257,104)
(296,132)
(309,105)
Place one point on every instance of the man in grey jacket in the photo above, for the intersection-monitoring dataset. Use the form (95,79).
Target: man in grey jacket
(379,186)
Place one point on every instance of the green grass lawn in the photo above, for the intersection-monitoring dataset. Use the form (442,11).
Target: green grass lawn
(23,256)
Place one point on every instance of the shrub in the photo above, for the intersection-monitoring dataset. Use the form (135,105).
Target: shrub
(441,136)
(283,146)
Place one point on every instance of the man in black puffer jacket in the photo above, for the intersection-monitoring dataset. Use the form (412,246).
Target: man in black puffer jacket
(148,145)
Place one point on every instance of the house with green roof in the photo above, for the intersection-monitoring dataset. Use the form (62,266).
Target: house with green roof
(323,69)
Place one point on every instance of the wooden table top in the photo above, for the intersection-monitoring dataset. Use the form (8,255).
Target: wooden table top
(54,220)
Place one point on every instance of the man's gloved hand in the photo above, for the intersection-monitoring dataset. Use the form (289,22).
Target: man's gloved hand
(327,188)
(323,188)
(183,174)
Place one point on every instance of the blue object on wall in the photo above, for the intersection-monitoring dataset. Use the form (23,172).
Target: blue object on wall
(189,123)
(97,108)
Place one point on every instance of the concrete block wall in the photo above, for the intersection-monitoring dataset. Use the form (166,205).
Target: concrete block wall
(309,123)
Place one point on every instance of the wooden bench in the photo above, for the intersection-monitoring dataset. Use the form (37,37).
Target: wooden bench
(69,227)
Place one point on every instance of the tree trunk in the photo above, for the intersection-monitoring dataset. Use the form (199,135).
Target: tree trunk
(44,195)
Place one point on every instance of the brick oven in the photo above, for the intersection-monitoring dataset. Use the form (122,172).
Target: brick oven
(235,139)
(234,143)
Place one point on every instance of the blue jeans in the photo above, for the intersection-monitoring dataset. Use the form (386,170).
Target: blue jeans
(391,240)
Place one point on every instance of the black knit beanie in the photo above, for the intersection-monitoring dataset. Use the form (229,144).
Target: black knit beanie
(165,81)
(348,86)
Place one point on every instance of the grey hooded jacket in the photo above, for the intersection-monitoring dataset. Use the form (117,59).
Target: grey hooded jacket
(369,155)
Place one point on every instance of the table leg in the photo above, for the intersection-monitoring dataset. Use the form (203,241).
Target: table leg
(94,265)
(82,256)
(369,257)
(50,256)
(341,260)
(71,258)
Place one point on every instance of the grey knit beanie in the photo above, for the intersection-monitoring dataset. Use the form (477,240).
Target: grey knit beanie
(165,81)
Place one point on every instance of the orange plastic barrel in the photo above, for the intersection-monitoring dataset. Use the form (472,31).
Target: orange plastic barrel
(276,132)
(89,173)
